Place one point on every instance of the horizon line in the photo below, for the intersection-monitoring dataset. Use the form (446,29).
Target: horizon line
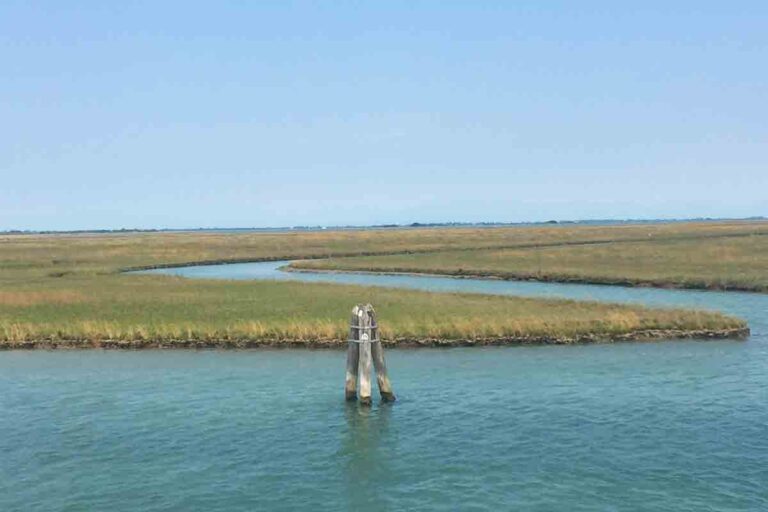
(319,227)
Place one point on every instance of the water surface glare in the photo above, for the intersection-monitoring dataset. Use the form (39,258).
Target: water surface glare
(673,426)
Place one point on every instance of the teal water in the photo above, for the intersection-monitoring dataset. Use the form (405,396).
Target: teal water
(673,426)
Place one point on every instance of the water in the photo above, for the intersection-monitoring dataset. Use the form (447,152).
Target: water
(680,425)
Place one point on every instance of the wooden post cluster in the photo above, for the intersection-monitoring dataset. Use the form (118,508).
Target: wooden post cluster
(364,351)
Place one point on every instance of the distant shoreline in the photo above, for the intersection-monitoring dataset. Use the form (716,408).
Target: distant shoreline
(413,225)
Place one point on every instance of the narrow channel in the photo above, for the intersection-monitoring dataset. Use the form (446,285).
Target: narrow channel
(752,307)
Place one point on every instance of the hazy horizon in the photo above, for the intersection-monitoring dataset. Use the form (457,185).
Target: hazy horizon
(450,223)
(278,114)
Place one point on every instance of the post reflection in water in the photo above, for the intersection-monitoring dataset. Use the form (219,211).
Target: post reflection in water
(364,452)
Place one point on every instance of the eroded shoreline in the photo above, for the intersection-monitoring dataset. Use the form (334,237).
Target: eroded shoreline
(739,333)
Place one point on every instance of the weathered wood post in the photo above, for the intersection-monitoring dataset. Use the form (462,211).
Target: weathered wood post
(364,350)
(365,363)
(353,356)
(377,351)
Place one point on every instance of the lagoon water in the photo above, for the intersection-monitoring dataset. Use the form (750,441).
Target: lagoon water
(673,426)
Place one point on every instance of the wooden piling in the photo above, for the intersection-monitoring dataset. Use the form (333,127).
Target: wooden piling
(350,385)
(364,370)
(382,378)
(364,351)
(353,356)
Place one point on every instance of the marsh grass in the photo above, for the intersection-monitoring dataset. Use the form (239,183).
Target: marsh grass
(30,298)
(707,263)
(222,310)
(69,288)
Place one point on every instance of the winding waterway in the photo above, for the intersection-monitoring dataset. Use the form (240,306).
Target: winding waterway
(674,425)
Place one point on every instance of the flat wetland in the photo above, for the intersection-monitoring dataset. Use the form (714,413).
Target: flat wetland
(730,262)
(71,291)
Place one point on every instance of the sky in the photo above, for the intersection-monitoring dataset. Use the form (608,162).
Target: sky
(183,114)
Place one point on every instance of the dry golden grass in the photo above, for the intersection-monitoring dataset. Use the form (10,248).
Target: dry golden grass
(34,298)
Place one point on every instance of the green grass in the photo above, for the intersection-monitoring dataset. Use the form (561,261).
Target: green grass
(171,309)
(68,289)
(709,263)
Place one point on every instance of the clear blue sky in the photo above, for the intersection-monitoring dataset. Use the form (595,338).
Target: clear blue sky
(186,114)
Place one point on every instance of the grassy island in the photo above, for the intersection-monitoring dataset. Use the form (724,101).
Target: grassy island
(724,262)
(70,291)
